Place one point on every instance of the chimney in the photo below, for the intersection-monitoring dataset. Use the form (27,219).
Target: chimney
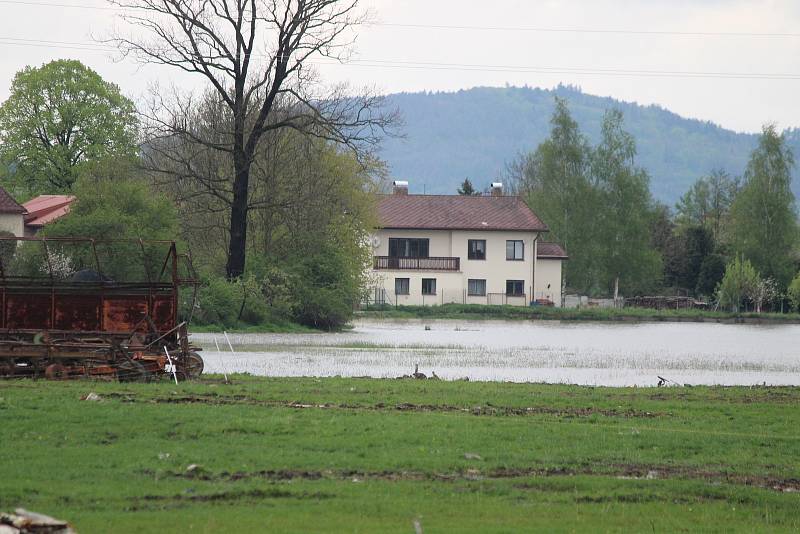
(497,189)
(400,187)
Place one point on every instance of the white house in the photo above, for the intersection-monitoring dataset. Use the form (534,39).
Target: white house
(439,249)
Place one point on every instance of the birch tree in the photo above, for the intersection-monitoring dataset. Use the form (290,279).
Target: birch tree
(763,216)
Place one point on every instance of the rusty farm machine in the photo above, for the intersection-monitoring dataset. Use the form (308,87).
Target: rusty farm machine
(75,307)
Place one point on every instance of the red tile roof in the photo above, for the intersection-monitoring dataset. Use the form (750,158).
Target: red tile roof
(46,208)
(8,204)
(546,250)
(457,212)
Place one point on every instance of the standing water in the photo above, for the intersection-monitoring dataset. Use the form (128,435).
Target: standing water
(599,353)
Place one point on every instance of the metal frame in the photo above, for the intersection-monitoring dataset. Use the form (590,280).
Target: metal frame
(67,327)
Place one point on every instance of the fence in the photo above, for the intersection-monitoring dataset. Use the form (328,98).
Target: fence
(665,303)
(382,297)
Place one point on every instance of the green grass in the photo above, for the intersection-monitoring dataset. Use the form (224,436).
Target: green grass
(263,328)
(482,311)
(363,455)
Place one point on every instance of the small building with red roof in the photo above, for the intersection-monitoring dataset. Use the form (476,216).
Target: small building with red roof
(25,220)
(484,249)
(45,209)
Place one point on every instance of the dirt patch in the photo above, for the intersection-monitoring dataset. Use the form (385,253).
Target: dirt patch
(236,496)
(641,498)
(621,471)
(483,410)
(657,472)
(109,438)
(760,394)
(528,410)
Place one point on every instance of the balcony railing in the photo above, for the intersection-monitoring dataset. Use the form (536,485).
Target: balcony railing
(422,264)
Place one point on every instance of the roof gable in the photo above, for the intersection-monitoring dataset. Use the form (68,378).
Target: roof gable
(8,204)
(457,212)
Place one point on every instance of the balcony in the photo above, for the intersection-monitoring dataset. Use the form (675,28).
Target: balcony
(419,264)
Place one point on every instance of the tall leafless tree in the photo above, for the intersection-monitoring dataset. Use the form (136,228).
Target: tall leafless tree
(257,55)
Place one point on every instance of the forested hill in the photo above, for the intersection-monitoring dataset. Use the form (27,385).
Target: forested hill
(474,133)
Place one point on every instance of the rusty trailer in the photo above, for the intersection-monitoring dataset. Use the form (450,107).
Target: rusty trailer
(75,307)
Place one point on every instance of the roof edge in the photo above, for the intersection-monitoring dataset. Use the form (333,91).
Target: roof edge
(451,229)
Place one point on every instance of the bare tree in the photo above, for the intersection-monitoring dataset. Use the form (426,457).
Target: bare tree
(257,56)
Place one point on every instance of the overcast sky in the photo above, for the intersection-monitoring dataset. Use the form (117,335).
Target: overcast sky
(505,42)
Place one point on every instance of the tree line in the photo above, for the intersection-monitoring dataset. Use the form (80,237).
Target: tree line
(732,240)
(267,173)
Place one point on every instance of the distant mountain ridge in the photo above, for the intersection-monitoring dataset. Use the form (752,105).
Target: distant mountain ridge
(474,133)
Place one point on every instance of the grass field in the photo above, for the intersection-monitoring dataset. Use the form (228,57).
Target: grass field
(362,455)
(480,311)
(285,327)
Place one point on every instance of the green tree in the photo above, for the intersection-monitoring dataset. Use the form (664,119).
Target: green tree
(554,181)
(707,203)
(763,217)
(698,245)
(711,272)
(741,281)
(466,189)
(327,251)
(666,239)
(116,209)
(59,119)
(312,209)
(625,256)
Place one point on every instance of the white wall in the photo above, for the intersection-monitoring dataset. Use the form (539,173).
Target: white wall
(449,287)
(12,222)
(496,269)
(452,286)
(548,272)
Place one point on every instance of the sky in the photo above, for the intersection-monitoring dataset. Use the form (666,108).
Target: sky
(733,62)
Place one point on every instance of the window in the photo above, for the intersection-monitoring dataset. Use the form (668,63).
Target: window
(476,249)
(515,250)
(408,248)
(476,288)
(515,288)
(401,286)
(429,286)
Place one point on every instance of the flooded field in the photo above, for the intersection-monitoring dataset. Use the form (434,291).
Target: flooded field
(600,353)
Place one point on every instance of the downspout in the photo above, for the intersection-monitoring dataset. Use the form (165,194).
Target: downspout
(533,273)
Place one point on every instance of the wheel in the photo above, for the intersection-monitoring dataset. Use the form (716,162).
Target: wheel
(55,371)
(131,371)
(193,366)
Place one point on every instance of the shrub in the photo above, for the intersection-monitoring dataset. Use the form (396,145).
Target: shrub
(218,302)
(794,293)
(740,281)
(230,304)
(327,287)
